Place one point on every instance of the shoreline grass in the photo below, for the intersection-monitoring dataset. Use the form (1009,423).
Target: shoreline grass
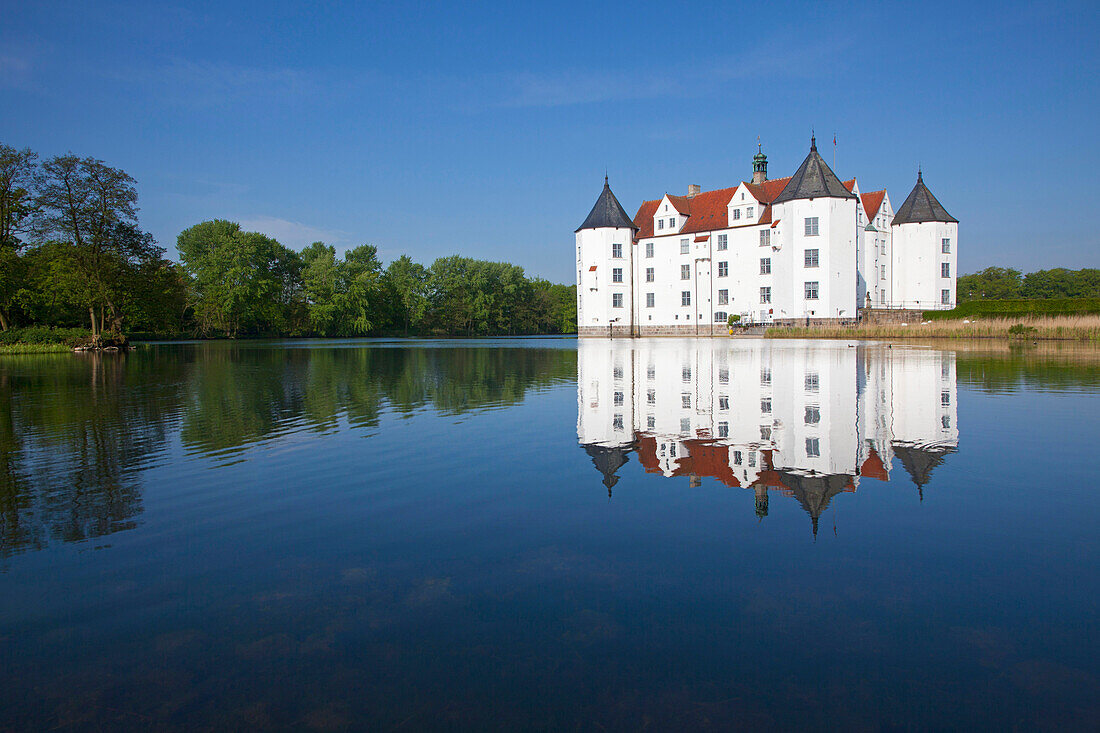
(1034,328)
(23,348)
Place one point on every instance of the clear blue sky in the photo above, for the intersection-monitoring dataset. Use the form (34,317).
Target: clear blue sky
(485,130)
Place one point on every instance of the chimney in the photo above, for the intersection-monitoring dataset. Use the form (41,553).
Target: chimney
(694,189)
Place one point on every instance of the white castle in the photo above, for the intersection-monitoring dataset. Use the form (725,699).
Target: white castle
(808,248)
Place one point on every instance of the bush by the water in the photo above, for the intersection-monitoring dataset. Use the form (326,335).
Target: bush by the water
(43,335)
(1018,307)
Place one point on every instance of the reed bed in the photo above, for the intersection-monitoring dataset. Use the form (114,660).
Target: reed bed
(1067,328)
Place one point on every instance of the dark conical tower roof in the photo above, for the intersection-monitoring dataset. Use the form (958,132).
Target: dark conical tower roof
(813,180)
(920,206)
(607,212)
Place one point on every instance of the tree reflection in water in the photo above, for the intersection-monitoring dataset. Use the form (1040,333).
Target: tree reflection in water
(76,431)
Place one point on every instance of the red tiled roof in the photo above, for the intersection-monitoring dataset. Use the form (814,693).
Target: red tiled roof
(767,191)
(705,212)
(766,217)
(871,202)
(775,223)
(704,458)
(702,238)
(592,269)
(850,185)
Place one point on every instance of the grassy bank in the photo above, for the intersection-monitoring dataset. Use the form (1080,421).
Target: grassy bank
(42,340)
(1068,328)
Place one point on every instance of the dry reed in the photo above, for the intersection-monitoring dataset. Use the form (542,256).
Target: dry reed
(1069,328)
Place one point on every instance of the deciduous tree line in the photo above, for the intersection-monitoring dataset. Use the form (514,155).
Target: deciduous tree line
(1001,283)
(72,253)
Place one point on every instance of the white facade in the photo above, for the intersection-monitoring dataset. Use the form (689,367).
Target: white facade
(758,252)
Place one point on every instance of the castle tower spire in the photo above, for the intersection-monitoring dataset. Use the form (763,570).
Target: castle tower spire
(759,165)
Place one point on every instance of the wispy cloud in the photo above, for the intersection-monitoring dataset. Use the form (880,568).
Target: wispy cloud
(15,71)
(293,234)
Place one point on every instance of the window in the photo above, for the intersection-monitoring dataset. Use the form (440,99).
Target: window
(723,269)
(672,223)
(765,295)
(811,258)
(945,399)
(945,269)
(650,422)
(811,290)
(649,249)
(765,265)
(765,237)
(723,402)
(813,415)
(685,400)
(685,374)
(882,275)
(651,372)
(649,300)
(660,223)
(723,297)
(722,242)
(651,397)
(617,372)
(882,298)
(685,425)
(685,297)
(685,272)
(752,454)
(813,447)
(945,246)
(649,274)
(765,376)
(945,422)
(723,430)
(723,376)
(685,247)
(671,450)
(617,250)
(617,423)
(748,213)
(813,382)
(945,297)
(811,226)
(720,316)
(765,434)
(616,300)
(736,214)
(737,458)
(616,274)
(766,405)
(618,398)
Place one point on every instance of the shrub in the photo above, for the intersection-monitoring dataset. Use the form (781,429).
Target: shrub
(41,335)
(1019,307)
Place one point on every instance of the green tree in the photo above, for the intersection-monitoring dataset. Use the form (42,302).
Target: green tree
(406,284)
(92,209)
(18,170)
(242,282)
(993,282)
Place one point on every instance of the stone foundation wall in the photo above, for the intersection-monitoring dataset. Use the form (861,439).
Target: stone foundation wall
(889,316)
(812,322)
(684,329)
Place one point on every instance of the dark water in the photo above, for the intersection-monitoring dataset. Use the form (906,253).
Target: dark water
(535,534)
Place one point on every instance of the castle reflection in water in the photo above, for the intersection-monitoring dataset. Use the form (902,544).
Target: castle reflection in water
(806,419)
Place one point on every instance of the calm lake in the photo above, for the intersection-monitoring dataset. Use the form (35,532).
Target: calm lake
(551,534)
